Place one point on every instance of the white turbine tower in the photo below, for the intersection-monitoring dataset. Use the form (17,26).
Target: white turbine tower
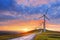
(44,19)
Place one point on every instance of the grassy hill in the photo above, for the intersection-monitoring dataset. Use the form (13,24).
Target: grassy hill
(5,35)
(48,35)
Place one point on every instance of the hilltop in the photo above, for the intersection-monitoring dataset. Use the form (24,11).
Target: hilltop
(48,35)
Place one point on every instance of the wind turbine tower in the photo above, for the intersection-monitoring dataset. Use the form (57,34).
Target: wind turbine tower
(44,20)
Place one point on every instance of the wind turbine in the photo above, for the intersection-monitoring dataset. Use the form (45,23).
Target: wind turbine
(44,19)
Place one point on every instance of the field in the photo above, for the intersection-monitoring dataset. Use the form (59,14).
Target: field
(48,35)
(6,35)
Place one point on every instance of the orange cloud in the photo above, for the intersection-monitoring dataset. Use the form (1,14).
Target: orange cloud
(53,27)
(20,25)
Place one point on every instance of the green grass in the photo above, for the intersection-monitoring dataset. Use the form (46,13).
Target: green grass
(6,37)
(48,35)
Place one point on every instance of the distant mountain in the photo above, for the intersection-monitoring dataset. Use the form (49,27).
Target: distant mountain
(7,32)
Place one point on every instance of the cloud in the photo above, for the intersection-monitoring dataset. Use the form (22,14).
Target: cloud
(32,2)
(6,18)
(31,10)
(21,11)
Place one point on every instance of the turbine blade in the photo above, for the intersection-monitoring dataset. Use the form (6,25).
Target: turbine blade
(47,17)
(46,11)
(41,17)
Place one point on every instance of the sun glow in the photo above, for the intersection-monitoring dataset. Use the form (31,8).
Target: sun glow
(26,30)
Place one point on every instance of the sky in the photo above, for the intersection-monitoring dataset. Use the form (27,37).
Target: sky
(17,15)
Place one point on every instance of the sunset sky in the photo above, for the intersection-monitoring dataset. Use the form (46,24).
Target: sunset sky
(19,15)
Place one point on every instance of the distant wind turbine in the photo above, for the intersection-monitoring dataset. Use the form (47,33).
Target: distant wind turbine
(44,19)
